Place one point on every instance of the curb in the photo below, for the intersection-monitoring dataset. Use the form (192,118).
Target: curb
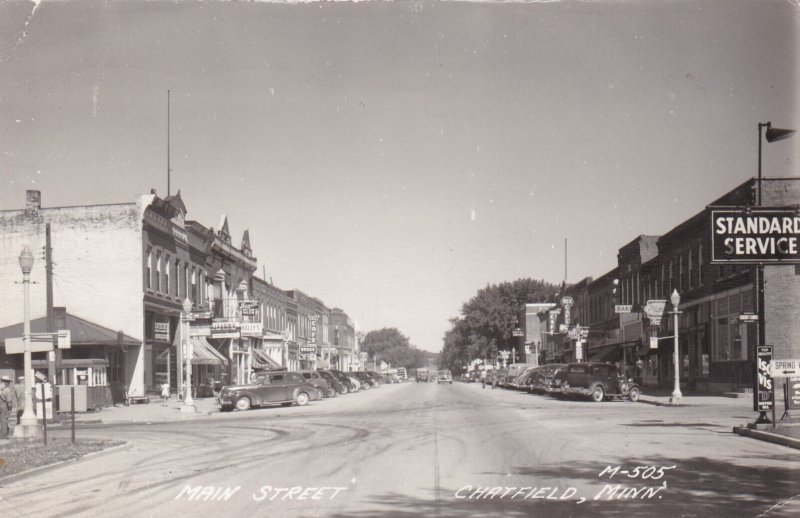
(33,471)
(768,437)
(659,403)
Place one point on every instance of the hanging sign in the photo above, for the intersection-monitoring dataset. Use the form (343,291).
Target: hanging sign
(225,329)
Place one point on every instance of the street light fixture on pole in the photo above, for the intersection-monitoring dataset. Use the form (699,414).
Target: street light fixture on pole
(188,401)
(676,393)
(29,426)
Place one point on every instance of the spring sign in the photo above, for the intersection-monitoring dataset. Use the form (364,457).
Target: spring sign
(755,236)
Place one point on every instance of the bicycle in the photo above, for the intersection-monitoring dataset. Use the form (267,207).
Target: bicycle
(182,393)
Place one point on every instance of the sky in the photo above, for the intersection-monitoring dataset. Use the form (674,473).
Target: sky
(393,158)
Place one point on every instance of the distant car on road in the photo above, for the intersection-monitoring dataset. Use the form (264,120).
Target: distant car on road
(269,388)
(444,376)
(422,375)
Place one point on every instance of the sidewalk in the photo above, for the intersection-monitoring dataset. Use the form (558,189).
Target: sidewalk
(664,397)
(155,411)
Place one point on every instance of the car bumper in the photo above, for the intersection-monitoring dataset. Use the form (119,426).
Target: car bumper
(576,391)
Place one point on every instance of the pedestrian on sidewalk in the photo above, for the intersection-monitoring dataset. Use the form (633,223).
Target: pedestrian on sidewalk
(483,378)
(6,403)
(165,392)
(19,397)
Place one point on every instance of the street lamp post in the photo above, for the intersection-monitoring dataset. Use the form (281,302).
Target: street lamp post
(772,135)
(188,401)
(676,392)
(29,426)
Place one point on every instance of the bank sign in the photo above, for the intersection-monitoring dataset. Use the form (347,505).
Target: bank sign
(767,236)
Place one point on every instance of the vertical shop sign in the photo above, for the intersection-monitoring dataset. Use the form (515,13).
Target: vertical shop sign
(763,395)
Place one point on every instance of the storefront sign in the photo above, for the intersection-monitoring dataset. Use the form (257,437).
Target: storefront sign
(653,342)
(161,330)
(200,328)
(255,329)
(308,349)
(762,393)
(748,317)
(553,316)
(307,356)
(755,235)
(225,329)
(249,308)
(793,394)
(620,308)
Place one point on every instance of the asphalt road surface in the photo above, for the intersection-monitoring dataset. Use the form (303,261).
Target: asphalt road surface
(425,450)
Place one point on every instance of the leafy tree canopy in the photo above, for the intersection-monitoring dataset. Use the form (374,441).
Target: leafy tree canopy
(391,346)
(488,320)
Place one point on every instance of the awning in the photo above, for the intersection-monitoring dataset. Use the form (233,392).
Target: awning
(261,360)
(607,351)
(72,363)
(203,353)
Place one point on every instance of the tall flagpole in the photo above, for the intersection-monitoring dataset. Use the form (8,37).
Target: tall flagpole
(169,171)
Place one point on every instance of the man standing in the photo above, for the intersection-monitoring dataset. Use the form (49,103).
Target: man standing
(6,403)
(19,396)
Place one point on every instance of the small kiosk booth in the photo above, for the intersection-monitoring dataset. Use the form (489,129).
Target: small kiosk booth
(93,364)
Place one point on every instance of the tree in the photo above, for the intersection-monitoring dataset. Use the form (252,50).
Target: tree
(391,346)
(488,319)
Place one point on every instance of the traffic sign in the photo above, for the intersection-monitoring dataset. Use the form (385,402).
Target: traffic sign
(784,368)
(40,342)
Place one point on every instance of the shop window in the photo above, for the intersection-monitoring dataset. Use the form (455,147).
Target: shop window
(148,276)
(700,265)
(158,272)
(167,266)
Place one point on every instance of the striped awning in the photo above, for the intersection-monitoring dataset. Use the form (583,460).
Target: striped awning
(261,360)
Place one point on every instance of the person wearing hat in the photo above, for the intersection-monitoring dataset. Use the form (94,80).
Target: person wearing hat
(19,396)
(6,403)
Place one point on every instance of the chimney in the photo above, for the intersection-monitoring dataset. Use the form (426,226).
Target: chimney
(33,201)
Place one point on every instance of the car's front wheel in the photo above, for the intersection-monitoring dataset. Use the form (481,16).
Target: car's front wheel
(302,399)
(243,403)
(633,394)
(598,394)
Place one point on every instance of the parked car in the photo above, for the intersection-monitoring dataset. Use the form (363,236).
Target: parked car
(543,379)
(374,378)
(598,381)
(422,375)
(444,376)
(523,381)
(496,377)
(333,381)
(322,385)
(364,378)
(269,388)
(345,380)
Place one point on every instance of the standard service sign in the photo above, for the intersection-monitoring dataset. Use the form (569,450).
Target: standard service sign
(755,236)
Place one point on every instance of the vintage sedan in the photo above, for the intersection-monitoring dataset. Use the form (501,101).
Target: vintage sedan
(315,378)
(598,381)
(333,381)
(543,377)
(269,388)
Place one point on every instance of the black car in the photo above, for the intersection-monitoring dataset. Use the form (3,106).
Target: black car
(598,381)
(344,379)
(269,388)
(333,381)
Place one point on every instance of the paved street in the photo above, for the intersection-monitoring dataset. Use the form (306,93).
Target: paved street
(427,450)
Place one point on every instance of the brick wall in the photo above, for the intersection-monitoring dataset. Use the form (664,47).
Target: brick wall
(98,263)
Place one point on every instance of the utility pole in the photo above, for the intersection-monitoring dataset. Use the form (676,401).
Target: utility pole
(54,357)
